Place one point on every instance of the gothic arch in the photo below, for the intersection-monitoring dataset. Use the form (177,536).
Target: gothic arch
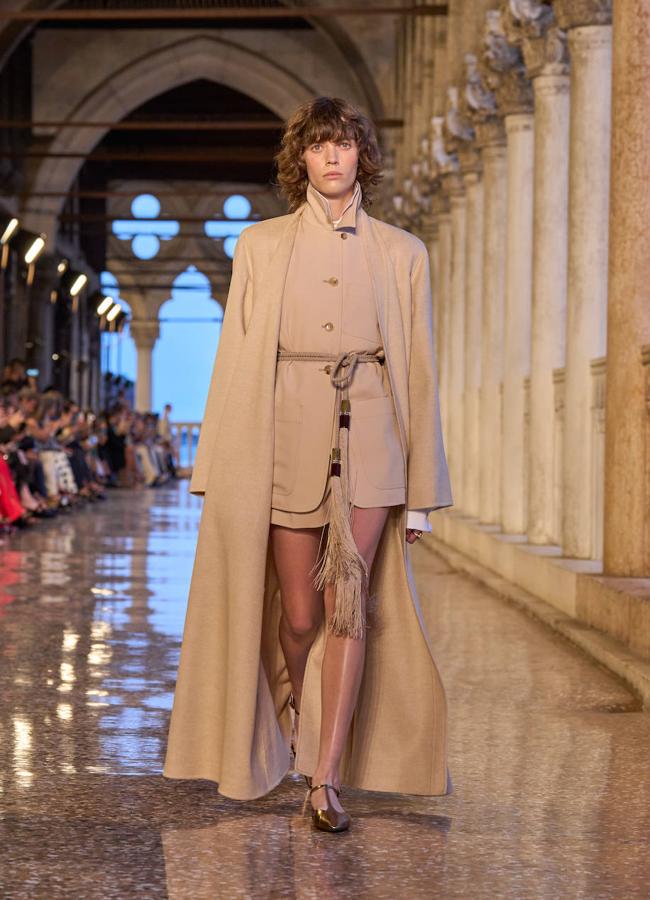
(180,62)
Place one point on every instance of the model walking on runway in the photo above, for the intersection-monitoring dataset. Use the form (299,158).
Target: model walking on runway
(320,457)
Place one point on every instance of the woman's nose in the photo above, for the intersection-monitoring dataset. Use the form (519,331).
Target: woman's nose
(332,153)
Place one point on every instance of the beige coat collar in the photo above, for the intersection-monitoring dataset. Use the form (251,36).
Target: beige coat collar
(319,209)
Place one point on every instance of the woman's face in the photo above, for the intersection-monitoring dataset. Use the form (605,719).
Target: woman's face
(332,166)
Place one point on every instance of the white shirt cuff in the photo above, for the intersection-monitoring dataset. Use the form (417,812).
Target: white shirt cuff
(418,519)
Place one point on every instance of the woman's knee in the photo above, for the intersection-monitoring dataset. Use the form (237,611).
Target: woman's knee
(300,623)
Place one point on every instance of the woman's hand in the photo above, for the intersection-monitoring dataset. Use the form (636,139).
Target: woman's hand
(412,535)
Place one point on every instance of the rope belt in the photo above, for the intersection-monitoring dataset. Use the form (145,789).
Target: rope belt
(341,565)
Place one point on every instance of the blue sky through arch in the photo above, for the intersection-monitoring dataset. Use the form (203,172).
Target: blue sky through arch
(184,353)
(183,356)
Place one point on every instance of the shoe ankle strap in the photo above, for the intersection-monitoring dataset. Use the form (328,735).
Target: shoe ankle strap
(316,787)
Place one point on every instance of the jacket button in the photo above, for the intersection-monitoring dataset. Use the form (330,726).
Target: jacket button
(344,237)
(333,281)
(328,326)
(327,370)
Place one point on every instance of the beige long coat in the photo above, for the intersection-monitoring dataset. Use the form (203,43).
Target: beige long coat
(230,720)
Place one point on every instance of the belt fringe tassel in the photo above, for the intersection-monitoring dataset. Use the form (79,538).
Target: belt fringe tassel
(342,565)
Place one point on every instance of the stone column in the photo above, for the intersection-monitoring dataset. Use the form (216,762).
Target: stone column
(17,317)
(40,327)
(547,64)
(491,138)
(453,187)
(145,333)
(589,39)
(518,303)
(443,317)
(75,351)
(473,303)
(627,494)
(505,74)
(428,70)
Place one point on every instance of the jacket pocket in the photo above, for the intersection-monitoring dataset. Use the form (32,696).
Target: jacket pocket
(378,443)
(288,428)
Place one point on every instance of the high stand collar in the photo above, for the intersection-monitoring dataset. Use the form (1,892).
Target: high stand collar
(319,208)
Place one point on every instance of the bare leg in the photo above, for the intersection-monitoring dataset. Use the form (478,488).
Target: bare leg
(295,552)
(342,669)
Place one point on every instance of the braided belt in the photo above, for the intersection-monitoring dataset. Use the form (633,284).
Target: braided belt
(344,364)
(341,373)
(341,565)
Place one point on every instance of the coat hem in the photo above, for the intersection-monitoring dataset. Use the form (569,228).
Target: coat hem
(357,784)
(230,794)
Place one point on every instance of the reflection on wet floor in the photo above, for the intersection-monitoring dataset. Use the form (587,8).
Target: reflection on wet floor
(552,792)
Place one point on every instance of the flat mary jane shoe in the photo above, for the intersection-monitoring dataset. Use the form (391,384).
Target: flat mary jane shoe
(329,819)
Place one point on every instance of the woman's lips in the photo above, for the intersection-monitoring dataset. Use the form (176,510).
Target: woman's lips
(333,175)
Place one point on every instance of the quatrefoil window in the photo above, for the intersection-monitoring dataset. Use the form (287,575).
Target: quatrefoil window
(236,209)
(145,230)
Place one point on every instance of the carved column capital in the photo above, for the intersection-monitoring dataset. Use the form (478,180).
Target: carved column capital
(503,67)
(442,161)
(534,16)
(481,105)
(579,13)
(145,332)
(439,204)
(490,133)
(469,160)
(428,227)
(531,25)
(453,186)
(478,97)
(457,129)
(548,54)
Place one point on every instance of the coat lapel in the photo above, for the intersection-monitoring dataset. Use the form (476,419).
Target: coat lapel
(269,275)
(379,266)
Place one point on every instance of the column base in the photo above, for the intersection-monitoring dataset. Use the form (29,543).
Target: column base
(607,617)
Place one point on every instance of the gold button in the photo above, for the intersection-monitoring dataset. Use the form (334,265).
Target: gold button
(327,370)
(333,281)
(344,237)
(328,326)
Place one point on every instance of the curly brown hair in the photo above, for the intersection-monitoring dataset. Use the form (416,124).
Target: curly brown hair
(326,119)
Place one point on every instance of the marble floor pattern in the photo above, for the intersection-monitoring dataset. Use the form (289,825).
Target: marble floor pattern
(549,754)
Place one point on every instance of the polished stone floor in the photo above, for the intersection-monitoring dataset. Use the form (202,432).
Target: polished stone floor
(549,754)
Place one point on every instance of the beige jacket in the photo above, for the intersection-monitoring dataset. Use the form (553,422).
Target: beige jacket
(230,720)
(328,306)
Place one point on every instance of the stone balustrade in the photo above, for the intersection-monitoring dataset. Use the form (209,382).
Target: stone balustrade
(185,436)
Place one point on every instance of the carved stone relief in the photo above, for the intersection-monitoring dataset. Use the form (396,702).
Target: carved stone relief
(505,70)
(531,25)
(578,13)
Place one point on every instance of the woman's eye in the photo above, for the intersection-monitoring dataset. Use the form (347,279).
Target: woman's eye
(346,145)
(315,147)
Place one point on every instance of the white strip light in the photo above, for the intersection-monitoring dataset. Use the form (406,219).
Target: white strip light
(112,313)
(34,250)
(105,305)
(79,282)
(12,224)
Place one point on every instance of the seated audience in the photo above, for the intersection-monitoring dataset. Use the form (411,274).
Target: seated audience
(56,456)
